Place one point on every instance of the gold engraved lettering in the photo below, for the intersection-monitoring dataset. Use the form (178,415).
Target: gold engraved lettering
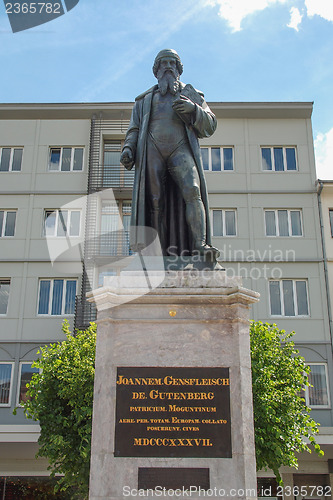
(172,442)
(138,395)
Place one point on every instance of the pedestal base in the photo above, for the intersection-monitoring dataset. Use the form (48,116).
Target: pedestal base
(198,321)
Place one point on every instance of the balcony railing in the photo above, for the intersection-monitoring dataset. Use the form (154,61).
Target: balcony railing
(85,312)
(113,244)
(105,176)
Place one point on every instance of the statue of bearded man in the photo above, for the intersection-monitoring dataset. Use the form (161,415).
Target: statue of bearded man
(169,192)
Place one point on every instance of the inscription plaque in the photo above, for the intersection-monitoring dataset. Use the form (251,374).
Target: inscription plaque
(173,412)
(173,478)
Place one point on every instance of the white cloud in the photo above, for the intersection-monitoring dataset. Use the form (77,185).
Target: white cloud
(234,11)
(324,154)
(295,18)
(323,8)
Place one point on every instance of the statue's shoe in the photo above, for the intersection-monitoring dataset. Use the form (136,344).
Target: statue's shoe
(208,250)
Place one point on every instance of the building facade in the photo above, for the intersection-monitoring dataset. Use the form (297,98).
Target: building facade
(65,206)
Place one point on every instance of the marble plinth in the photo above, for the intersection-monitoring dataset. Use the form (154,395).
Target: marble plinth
(189,320)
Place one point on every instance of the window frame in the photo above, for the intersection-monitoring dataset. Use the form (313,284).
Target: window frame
(330,215)
(57,211)
(119,212)
(4,221)
(277,230)
(285,164)
(223,210)
(63,303)
(12,149)
(2,280)
(12,363)
(282,304)
(306,392)
(71,170)
(19,380)
(222,148)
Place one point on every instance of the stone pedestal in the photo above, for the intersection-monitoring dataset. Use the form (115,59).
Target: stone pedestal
(192,319)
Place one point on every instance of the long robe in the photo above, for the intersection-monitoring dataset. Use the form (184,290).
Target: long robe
(202,124)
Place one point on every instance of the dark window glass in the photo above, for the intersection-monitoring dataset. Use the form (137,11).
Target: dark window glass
(26,374)
(266,158)
(5,379)
(302,299)
(291,158)
(283,222)
(17,159)
(230,223)
(318,393)
(50,222)
(113,174)
(44,297)
(296,225)
(78,159)
(288,298)
(66,159)
(228,159)
(204,155)
(270,223)
(278,159)
(4,295)
(2,213)
(10,224)
(54,159)
(58,286)
(216,159)
(217,223)
(70,297)
(74,223)
(331,222)
(5,159)
(62,223)
(274,292)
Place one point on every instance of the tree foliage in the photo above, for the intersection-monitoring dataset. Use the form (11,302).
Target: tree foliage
(282,422)
(61,398)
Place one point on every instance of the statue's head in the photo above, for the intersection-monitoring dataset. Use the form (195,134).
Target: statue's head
(164,55)
(167,69)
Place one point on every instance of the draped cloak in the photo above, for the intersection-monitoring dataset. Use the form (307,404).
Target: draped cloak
(201,123)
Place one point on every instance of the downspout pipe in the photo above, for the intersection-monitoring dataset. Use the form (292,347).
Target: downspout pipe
(328,295)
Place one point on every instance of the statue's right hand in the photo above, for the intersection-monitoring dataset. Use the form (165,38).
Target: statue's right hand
(126,158)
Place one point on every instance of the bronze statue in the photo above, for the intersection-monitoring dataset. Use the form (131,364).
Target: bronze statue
(169,192)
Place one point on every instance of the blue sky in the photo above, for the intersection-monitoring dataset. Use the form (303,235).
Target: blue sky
(234,50)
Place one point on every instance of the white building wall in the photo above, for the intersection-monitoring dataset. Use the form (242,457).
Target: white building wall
(247,189)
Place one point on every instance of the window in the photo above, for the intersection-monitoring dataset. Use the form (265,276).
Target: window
(283,222)
(26,373)
(224,222)
(61,223)
(317,396)
(331,221)
(7,222)
(288,297)
(279,158)
(4,295)
(6,382)
(114,174)
(115,226)
(10,159)
(57,296)
(217,158)
(66,159)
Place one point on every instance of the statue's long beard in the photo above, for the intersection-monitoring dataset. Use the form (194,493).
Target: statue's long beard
(168,82)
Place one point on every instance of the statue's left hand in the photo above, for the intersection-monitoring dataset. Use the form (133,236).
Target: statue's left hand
(183,105)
